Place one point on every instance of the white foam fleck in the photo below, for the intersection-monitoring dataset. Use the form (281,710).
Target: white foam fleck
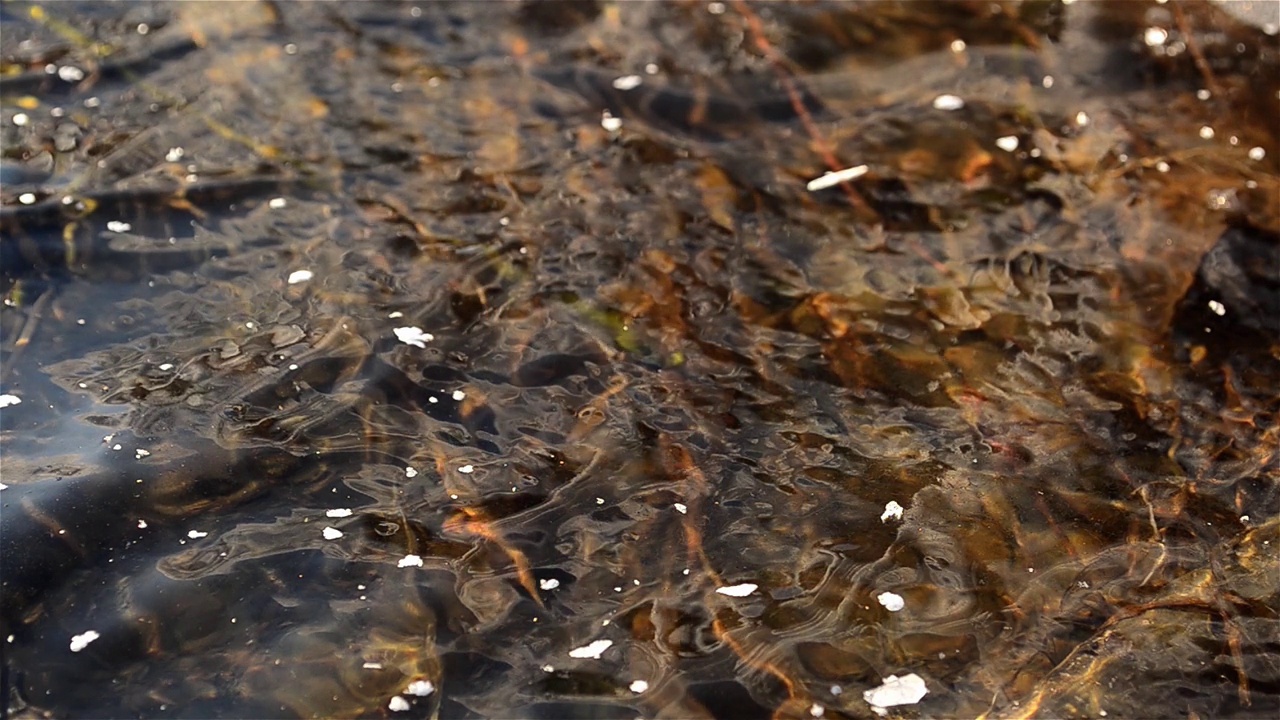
(892,511)
(467,469)
(81,641)
(817,710)
(411,472)
(458,395)
(591,651)
(410,561)
(70,73)
(277,203)
(1008,143)
(300,276)
(140,453)
(1257,153)
(372,666)
(609,122)
(413,336)
(627,82)
(948,102)
(398,704)
(117,226)
(892,602)
(549,583)
(832,179)
(338,513)
(142,524)
(1217,307)
(1154,36)
(331,533)
(8,400)
(196,534)
(639,686)
(742,590)
(905,690)
(421,688)
(682,508)
(1206,132)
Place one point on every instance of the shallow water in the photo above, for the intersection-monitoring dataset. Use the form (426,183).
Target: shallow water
(687,438)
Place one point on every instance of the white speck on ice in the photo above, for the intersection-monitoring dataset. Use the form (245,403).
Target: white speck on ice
(905,690)
(332,533)
(458,395)
(117,226)
(892,602)
(7,400)
(398,704)
(948,102)
(609,122)
(413,336)
(639,686)
(627,82)
(682,508)
(467,469)
(892,511)
(1008,143)
(338,513)
(549,583)
(411,472)
(276,203)
(421,688)
(300,276)
(117,447)
(81,641)
(742,590)
(831,179)
(410,561)
(196,534)
(592,651)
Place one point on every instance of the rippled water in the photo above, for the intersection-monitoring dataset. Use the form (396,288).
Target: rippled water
(483,360)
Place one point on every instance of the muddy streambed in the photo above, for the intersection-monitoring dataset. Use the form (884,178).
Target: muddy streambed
(484,360)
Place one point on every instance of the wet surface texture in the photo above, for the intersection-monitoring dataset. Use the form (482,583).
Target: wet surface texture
(509,348)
